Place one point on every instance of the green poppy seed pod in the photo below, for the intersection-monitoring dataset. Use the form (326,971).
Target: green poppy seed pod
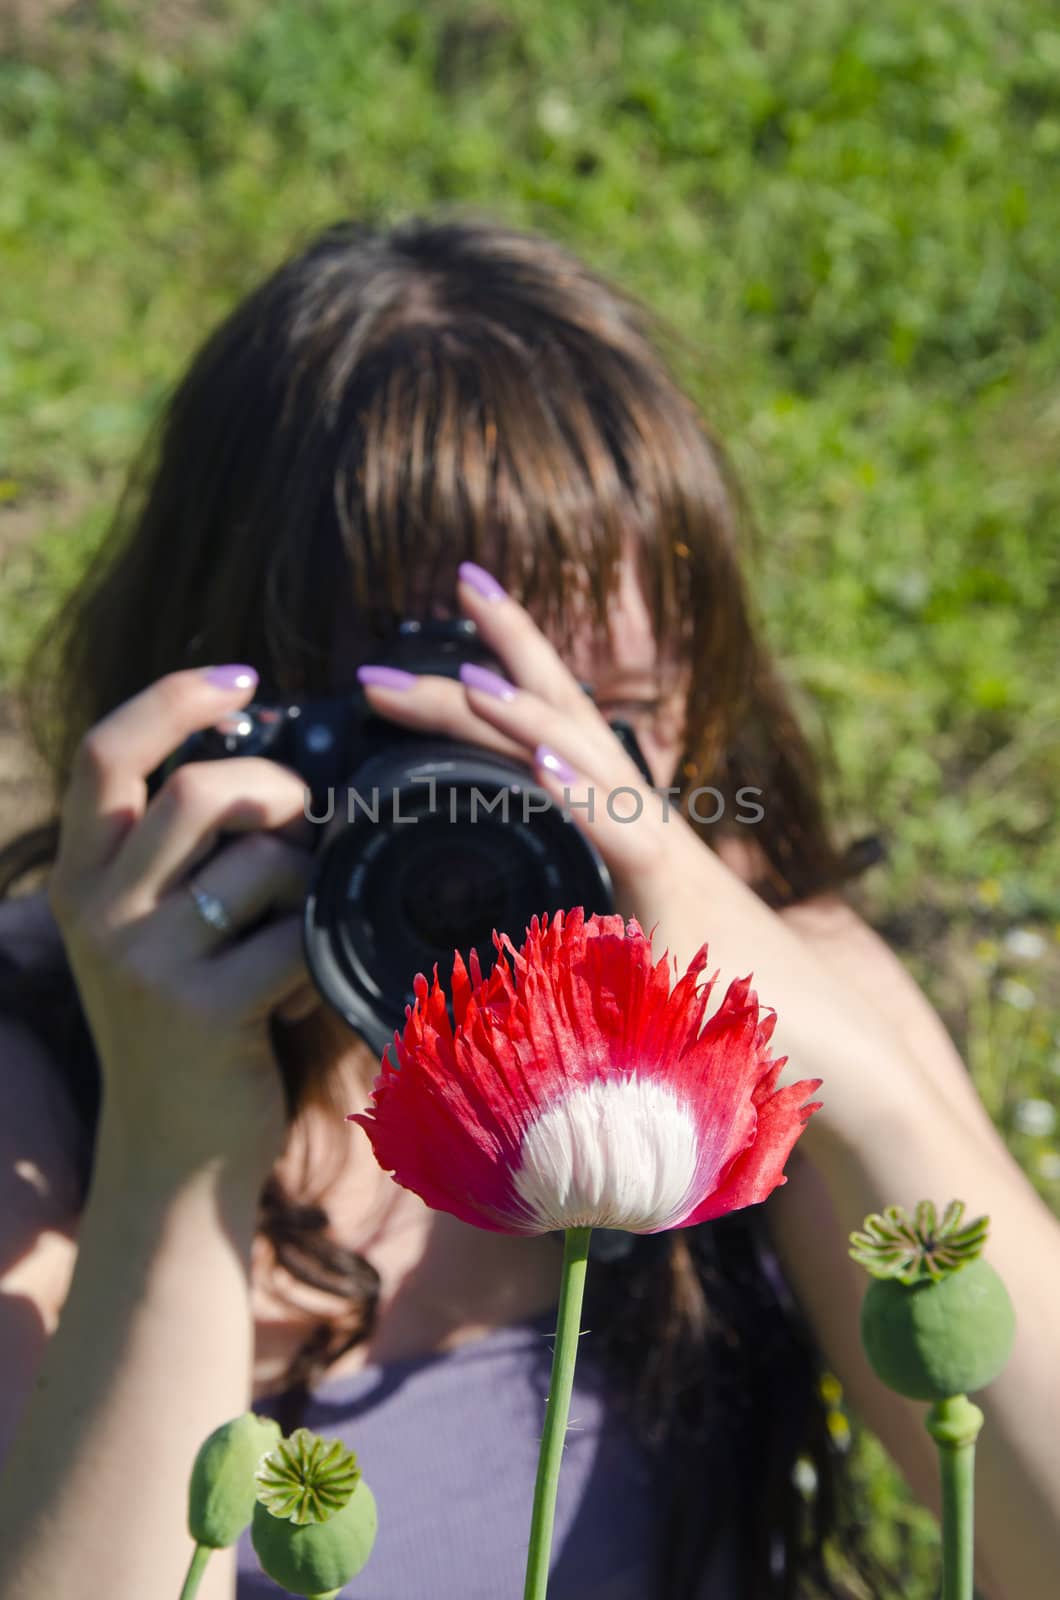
(223,1488)
(316,1558)
(930,1340)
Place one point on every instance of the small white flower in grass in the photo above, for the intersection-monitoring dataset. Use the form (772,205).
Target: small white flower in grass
(1036,1117)
(1015,993)
(1023,944)
(556,115)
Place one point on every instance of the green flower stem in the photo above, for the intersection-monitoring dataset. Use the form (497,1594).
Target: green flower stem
(954,1425)
(200,1556)
(557,1410)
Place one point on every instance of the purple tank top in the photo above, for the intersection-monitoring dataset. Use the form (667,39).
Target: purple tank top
(448,1442)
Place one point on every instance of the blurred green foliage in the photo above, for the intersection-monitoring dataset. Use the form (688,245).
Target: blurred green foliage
(849,212)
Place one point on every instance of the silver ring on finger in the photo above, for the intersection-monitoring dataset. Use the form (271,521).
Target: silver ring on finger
(210,908)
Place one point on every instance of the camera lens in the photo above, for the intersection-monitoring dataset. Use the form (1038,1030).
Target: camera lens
(419,871)
(447,899)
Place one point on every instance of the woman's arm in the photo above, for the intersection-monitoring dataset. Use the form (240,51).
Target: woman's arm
(154,1346)
(153,1350)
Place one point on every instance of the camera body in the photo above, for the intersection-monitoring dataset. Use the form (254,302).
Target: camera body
(424,845)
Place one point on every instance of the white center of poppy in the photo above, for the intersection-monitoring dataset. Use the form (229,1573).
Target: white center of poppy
(620,1154)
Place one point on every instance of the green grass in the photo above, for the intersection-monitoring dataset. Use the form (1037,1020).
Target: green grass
(850,212)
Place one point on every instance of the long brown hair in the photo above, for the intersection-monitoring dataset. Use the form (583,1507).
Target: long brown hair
(388,403)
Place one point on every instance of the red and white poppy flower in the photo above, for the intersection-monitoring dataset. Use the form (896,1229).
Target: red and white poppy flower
(577,1090)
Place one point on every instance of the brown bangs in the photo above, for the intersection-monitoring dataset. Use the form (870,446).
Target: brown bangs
(545,449)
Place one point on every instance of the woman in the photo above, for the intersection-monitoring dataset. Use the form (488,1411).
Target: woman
(444,418)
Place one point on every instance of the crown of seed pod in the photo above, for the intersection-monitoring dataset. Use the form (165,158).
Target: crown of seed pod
(315,1519)
(223,1489)
(937,1320)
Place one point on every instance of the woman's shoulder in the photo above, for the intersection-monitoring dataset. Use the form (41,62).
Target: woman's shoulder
(840,936)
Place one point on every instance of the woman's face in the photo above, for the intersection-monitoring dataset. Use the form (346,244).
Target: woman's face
(633,679)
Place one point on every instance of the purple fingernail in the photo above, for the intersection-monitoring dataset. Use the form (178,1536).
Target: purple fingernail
(489,682)
(385,677)
(231,677)
(544,757)
(483,582)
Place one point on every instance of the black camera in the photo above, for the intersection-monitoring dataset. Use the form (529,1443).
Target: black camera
(425,845)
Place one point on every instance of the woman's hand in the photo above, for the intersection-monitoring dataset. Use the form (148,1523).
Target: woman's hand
(179,1009)
(542,716)
(663,871)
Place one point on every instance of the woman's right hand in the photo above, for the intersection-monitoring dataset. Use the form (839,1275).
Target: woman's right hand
(179,1010)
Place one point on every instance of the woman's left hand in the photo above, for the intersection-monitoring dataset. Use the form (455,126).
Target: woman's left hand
(541,715)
